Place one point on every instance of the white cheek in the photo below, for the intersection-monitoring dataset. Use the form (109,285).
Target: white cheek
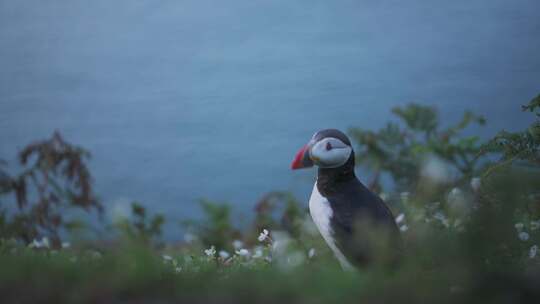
(331,158)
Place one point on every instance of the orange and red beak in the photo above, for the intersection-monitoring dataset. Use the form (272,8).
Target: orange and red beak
(302,159)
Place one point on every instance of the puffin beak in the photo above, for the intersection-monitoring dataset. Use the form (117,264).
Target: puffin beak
(302,159)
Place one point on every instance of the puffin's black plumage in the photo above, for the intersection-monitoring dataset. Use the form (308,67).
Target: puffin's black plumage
(357,214)
(352,203)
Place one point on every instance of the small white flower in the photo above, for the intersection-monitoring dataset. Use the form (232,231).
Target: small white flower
(476,182)
(535,225)
(263,236)
(35,244)
(210,252)
(178,269)
(439,215)
(311,253)
(524,236)
(243,252)
(224,254)
(237,244)
(400,218)
(404,228)
(533,251)
(167,258)
(66,245)
(96,255)
(44,243)
(519,226)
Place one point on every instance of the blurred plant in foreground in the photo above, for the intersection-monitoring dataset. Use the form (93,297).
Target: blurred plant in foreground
(54,178)
(140,227)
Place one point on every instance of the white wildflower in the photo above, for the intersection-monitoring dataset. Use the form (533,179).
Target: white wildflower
(237,244)
(519,226)
(311,253)
(166,258)
(439,215)
(263,236)
(535,225)
(404,228)
(96,255)
(66,245)
(224,254)
(524,236)
(210,252)
(44,243)
(178,269)
(400,218)
(476,183)
(243,252)
(533,251)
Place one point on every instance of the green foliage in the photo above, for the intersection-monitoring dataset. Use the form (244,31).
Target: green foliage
(279,211)
(401,149)
(518,146)
(141,228)
(216,229)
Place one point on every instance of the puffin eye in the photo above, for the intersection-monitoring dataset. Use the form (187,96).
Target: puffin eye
(328,146)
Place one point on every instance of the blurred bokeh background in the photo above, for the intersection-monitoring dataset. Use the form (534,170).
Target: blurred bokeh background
(182,100)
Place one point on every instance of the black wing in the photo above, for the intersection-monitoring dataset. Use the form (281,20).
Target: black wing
(363,225)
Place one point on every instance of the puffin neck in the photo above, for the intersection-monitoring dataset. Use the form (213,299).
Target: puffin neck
(328,179)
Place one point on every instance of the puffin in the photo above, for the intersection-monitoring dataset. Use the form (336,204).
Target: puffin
(355,222)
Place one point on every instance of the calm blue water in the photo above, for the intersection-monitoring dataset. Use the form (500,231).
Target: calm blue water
(180,100)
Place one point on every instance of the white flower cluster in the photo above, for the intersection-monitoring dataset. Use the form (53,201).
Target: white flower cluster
(210,252)
(525,236)
(263,236)
(167,259)
(44,243)
(400,221)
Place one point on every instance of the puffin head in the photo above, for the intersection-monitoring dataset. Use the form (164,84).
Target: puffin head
(329,148)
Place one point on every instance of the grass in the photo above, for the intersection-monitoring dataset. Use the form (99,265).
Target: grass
(438,268)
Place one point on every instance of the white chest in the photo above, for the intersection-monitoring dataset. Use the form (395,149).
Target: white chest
(321,213)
